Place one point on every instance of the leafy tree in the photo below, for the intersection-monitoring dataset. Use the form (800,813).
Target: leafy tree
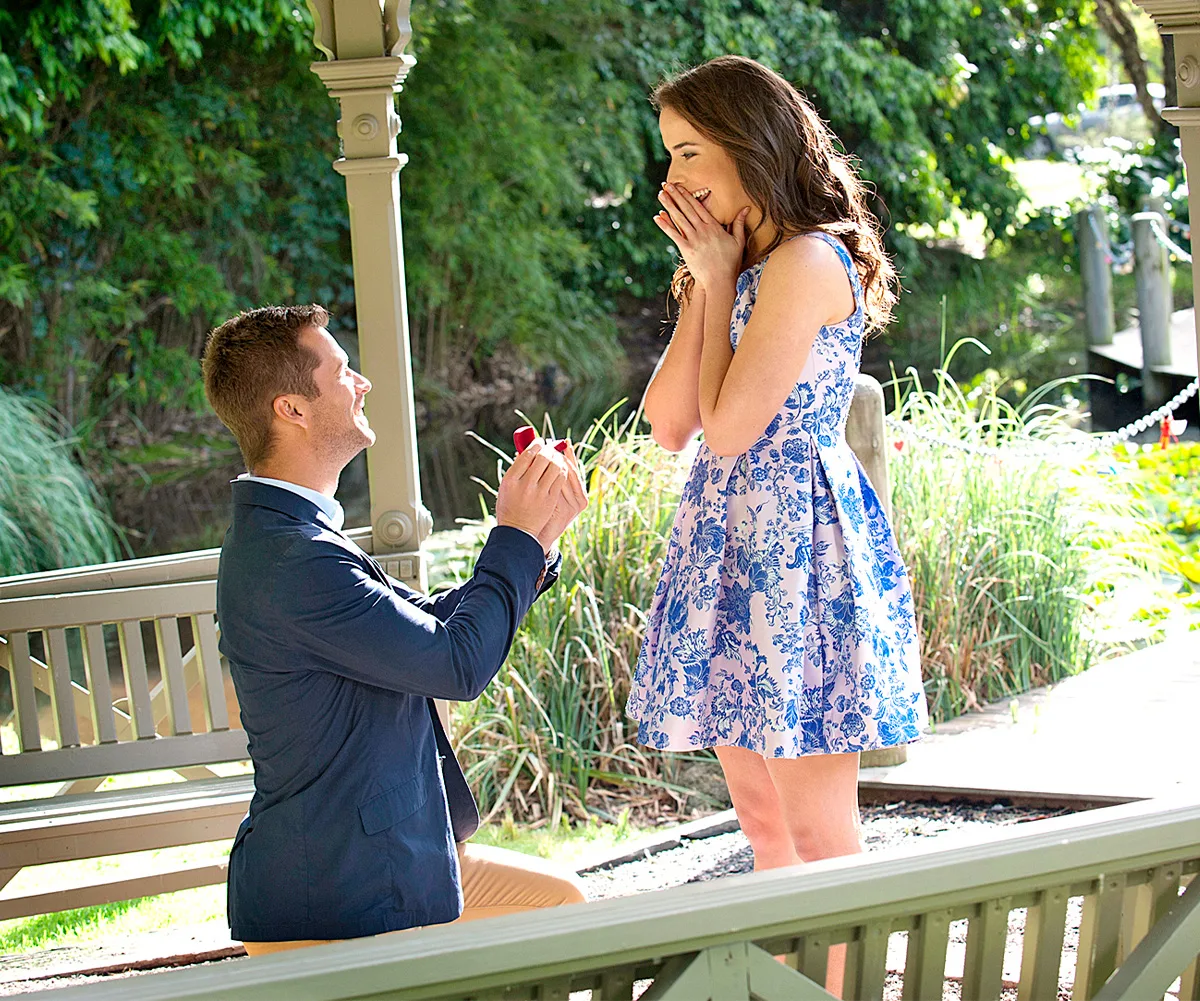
(147,191)
(932,96)
(505,117)
(163,164)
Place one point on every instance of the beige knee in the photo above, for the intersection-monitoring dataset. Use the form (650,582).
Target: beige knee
(496,880)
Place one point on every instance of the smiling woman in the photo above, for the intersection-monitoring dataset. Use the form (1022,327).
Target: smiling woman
(781,632)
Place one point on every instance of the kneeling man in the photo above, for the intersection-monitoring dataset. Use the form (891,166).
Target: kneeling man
(360,814)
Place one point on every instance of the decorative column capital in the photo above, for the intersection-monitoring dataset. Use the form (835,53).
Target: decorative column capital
(351,77)
(369,123)
(361,29)
(1173,16)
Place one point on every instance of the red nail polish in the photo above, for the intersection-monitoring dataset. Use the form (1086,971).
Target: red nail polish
(560,446)
(523,438)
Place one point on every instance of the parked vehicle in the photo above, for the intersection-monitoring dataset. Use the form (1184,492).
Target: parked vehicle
(1115,112)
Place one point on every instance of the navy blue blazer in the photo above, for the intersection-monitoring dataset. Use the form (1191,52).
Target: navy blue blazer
(358,799)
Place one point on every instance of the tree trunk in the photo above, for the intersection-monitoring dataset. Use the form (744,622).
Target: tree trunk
(1115,21)
(1165,129)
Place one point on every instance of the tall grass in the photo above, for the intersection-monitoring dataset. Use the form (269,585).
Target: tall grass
(1012,555)
(50,513)
(549,734)
(1022,569)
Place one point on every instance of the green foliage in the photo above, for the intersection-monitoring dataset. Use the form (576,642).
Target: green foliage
(497,126)
(1134,172)
(157,194)
(1168,480)
(170,165)
(550,735)
(1025,564)
(932,96)
(1023,571)
(1020,304)
(50,515)
(28,934)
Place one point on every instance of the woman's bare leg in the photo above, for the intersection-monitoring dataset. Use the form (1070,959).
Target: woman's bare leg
(819,797)
(759,811)
(796,810)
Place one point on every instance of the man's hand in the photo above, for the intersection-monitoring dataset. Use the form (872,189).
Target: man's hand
(531,490)
(572,500)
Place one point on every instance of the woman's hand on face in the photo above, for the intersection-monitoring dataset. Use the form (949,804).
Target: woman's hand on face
(712,252)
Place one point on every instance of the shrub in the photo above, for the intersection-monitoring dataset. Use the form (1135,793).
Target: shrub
(550,733)
(1028,556)
(1166,479)
(50,513)
(1024,569)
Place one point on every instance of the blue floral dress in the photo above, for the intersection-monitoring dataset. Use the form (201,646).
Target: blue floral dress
(783,620)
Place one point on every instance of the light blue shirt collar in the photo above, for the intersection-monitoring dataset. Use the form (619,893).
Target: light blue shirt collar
(329,507)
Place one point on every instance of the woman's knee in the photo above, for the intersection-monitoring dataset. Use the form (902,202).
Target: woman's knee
(828,836)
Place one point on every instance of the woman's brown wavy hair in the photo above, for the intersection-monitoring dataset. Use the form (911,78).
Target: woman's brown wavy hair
(789,162)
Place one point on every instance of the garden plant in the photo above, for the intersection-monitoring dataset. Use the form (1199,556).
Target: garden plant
(1030,557)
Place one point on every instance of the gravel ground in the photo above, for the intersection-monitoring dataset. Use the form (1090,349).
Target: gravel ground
(729,854)
(695,861)
(883,827)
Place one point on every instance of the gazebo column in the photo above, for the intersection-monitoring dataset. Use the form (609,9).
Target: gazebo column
(1181,20)
(364,41)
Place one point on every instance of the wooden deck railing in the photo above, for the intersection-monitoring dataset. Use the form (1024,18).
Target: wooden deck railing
(717,939)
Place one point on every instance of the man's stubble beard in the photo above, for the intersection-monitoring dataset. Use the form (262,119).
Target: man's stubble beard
(342,443)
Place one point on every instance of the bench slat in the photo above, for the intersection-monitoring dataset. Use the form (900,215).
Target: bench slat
(56,611)
(135,830)
(204,631)
(183,878)
(62,697)
(137,687)
(31,813)
(170,660)
(128,756)
(95,660)
(24,697)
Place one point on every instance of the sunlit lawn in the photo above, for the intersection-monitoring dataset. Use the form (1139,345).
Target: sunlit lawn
(1046,183)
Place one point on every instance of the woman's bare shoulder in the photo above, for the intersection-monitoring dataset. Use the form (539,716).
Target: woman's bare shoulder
(807,263)
(803,253)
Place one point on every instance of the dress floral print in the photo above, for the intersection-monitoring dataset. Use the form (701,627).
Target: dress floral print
(783,620)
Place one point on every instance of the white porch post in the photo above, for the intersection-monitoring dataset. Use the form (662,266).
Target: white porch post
(364,41)
(1181,19)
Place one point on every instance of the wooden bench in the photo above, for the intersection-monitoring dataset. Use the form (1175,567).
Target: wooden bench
(716,940)
(177,711)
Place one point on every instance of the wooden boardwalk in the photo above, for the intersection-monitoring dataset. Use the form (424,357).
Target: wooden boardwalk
(1126,348)
(1124,729)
